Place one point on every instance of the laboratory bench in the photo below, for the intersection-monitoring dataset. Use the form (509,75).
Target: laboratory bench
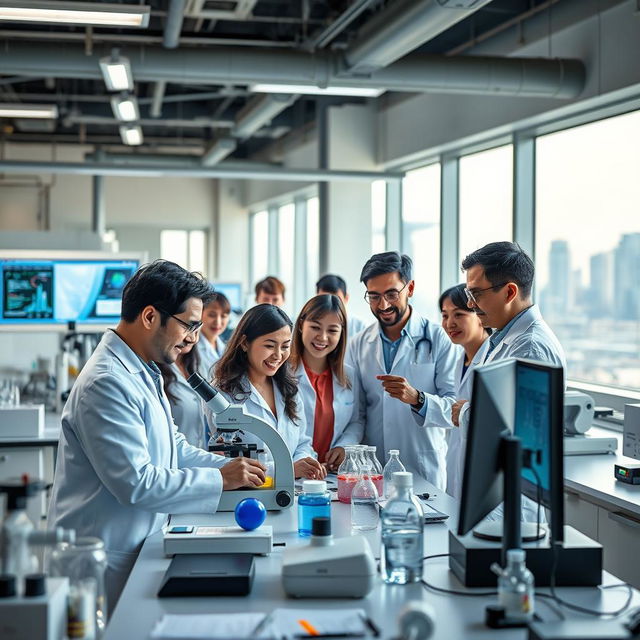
(457,617)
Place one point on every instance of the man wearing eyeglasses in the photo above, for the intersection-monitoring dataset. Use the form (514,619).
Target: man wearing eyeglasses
(122,464)
(499,284)
(404,369)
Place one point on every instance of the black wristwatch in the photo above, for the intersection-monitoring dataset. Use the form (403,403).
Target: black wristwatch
(418,405)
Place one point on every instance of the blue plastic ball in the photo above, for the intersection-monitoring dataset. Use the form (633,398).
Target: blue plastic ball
(250,513)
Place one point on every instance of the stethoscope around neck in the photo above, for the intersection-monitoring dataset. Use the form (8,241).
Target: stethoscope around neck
(427,340)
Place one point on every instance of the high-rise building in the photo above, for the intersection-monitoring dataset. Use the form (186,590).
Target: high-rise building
(600,285)
(627,276)
(560,294)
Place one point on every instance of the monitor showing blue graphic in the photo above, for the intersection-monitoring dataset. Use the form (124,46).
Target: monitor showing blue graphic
(40,292)
(233,292)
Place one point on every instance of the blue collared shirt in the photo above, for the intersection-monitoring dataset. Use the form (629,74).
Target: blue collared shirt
(153,370)
(498,334)
(389,350)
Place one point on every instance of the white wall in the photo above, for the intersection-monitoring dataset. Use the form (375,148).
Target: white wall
(608,44)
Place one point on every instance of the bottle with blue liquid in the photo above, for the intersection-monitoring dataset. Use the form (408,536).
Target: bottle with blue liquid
(313,502)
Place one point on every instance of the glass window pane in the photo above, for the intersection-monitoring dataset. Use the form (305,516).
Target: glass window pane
(198,251)
(421,235)
(486,199)
(259,246)
(588,246)
(313,245)
(173,246)
(286,241)
(378,216)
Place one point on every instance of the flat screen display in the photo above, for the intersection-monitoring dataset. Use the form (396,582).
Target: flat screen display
(43,292)
(233,291)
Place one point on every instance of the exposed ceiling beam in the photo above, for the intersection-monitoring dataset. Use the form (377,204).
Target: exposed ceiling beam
(403,26)
(529,77)
(173,25)
(193,123)
(251,173)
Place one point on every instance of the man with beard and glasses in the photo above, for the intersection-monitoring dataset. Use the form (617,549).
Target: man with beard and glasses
(404,366)
(122,464)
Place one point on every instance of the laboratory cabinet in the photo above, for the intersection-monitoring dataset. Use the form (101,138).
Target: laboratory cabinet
(616,530)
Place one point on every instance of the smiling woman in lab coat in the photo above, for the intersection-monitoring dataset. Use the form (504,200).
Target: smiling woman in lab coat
(317,358)
(215,318)
(465,328)
(254,371)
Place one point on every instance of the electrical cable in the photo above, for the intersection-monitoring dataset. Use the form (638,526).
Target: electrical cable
(469,594)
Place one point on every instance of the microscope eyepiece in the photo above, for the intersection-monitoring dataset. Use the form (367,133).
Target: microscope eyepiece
(211,396)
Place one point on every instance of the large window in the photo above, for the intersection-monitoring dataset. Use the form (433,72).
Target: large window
(313,245)
(259,246)
(486,199)
(286,241)
(378,216)
(186,248)
(421,234)
(588,246)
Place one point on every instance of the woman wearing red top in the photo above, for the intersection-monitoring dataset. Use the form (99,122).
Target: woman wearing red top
(324,380)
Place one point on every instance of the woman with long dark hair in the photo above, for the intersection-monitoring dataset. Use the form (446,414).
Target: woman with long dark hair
(215,318)
(317,359)
(254,371)
(186,406)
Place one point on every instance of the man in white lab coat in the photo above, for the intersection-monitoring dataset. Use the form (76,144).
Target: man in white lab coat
(122,465)
(499,283)
(404,367)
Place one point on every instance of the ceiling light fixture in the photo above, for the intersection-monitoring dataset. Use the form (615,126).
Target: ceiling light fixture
(92,13)
(131,135)
(364,92)
(125,108)
(49,111)
(116,72)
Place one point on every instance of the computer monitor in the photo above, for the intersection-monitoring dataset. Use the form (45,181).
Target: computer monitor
(538,422)
(233,292)
(523,398)
(491,417)
(39,291)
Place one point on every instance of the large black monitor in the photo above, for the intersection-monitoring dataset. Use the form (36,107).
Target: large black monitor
(538,422)
(524,398)
(39,291)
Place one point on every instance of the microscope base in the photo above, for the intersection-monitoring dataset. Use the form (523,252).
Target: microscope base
(43,617)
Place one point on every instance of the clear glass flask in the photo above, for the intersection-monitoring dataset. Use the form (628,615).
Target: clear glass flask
(393,465)
(348,473)
(365,510)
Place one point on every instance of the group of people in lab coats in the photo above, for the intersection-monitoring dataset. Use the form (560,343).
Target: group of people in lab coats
(403,382)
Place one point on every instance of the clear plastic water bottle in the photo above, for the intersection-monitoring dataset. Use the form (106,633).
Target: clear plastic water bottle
(314,502)
(515,587)
(402,533)
(393,465)
(365,511)
(348,474)
(376,470)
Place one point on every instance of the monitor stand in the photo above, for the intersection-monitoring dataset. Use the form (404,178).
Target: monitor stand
(492,530)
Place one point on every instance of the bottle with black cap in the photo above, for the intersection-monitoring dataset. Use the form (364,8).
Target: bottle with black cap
(321,532)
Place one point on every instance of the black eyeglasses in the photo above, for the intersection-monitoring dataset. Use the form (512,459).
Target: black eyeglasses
(390,296)
(472,296)
(190,327)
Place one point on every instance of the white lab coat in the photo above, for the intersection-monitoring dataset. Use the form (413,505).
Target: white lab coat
(122,465)
(355,325)
(347,427)
(293,433)
(209,355)
(187,410)
(390,423)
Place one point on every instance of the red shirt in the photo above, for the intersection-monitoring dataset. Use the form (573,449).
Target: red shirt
(323,417)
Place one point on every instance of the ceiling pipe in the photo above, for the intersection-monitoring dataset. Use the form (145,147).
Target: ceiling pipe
(527,77)
(401,28)
(218,151)
(194,123)
(259,111)
(174,160)
(173,26)
(159,88)
(233,172)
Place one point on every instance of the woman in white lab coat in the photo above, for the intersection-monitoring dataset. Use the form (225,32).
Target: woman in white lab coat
(186,406)
(254,371)
(464,328)
(215,318)
(324,381)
